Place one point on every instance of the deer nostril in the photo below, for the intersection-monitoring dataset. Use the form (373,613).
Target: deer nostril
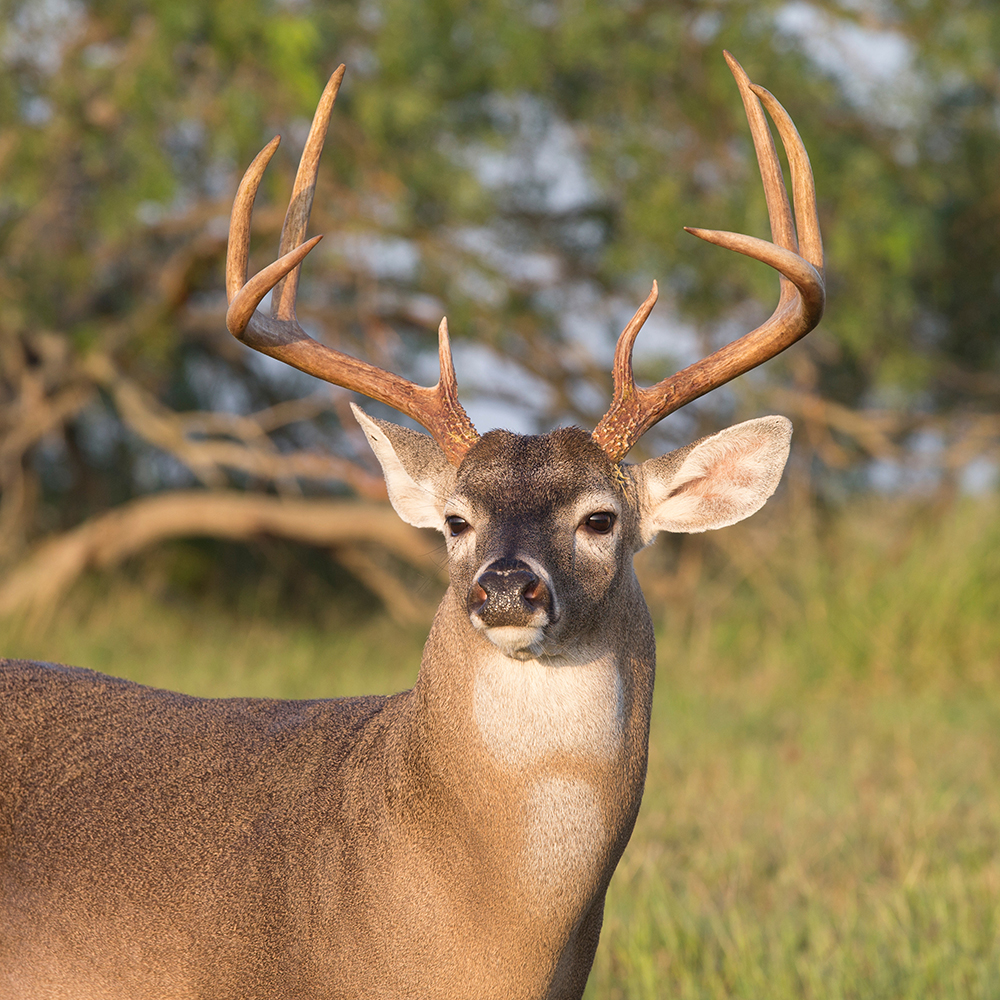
(477,599)
(535,593)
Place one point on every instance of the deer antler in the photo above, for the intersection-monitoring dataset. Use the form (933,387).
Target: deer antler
(280,334)
(802,295)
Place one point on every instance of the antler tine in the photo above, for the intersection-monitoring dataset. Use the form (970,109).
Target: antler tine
(280,335)
(616,433)
(775,195)
(300,204)
(803,188)
(800,302)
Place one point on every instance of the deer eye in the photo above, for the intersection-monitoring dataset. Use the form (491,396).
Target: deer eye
(456,524)
(601,522)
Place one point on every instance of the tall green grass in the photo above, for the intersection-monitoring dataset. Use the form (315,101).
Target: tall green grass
(822,813)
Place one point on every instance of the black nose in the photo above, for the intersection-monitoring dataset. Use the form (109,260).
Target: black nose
(509,592)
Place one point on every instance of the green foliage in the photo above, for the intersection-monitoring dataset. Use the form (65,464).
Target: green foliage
(144,107)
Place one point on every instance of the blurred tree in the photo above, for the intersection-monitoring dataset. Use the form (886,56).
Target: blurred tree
(525,166)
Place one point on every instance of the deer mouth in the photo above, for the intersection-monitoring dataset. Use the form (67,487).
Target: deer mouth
(520,642)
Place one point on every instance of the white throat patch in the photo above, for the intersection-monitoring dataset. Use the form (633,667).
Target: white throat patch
(526,709)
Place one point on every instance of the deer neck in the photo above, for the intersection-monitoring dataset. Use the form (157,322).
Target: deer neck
(543,760)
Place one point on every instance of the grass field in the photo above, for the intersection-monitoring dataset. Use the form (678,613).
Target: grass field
(822,813)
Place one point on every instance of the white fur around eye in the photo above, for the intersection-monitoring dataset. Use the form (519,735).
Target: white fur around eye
(595,541)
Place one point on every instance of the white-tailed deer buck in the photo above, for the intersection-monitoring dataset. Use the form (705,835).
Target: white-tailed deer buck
(455,840)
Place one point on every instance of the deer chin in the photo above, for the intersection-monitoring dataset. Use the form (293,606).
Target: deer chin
(519,642)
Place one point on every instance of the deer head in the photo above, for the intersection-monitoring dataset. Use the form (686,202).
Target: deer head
(569,491)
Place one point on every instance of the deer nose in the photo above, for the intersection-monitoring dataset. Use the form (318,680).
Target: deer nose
(509,592)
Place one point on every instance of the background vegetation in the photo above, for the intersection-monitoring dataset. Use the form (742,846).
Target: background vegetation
(822,812)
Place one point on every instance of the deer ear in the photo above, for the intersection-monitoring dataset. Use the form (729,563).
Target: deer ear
(716,481)
(418,476)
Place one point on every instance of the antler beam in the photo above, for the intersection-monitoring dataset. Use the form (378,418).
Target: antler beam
(798,259)
(280,335)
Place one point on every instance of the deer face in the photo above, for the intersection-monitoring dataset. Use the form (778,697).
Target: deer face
(541,530)
(539,533)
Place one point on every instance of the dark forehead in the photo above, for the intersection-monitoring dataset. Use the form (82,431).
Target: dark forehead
(525,469)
